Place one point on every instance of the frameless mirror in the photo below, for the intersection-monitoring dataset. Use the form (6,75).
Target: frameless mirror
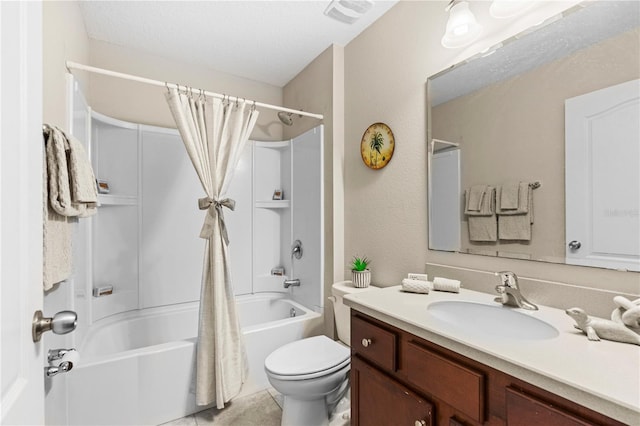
(556,107)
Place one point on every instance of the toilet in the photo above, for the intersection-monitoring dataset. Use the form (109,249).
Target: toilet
(313,373)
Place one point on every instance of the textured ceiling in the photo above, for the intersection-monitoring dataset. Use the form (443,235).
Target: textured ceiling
(268,41)
(596,22)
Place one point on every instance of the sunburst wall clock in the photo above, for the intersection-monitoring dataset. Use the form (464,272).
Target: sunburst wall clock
(377,146)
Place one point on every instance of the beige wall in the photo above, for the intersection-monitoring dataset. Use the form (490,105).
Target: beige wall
(140,103)
(386,68)
(319,88)
(523,138)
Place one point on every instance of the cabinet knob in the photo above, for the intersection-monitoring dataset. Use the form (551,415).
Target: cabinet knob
(420,423)
(575,245)
(366,342)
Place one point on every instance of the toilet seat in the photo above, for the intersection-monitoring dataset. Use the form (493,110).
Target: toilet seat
(307,359)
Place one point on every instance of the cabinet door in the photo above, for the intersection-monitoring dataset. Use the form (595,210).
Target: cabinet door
(377,399)
(523,410)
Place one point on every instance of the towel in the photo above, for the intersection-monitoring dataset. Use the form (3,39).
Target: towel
(416,286)
(482,224)
(509,196)
(71,182)
(56,240)
(446,284)
(474,198)
(516,224)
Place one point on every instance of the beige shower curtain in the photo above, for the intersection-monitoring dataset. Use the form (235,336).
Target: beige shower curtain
(214,133)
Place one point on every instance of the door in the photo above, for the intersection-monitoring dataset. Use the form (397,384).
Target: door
(602,153)
(444,200)
(21,360)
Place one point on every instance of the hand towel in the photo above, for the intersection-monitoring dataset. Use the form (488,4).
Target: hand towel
(71,182)
(416,286)
(446,284)
(517,226)
(474,198)
(84,192)
(524,190)
(483,225)
(56,240)
(509,196)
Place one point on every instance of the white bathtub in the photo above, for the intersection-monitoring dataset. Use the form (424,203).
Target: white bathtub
(138,368)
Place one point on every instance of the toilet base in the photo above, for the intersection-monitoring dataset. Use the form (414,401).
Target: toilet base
(297,412)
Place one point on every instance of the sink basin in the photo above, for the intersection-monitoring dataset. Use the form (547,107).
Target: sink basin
(495,321)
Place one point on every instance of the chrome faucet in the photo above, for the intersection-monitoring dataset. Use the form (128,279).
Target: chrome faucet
(294,282)
(510,292)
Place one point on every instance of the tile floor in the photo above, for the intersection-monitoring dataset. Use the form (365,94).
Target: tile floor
(260,409)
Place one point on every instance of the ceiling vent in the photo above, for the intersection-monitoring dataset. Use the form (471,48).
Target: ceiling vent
(348,11)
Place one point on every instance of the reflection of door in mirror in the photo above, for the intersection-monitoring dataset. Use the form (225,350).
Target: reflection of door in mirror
(444,198)
(602,178)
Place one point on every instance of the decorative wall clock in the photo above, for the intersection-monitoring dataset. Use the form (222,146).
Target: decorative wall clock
(377,146)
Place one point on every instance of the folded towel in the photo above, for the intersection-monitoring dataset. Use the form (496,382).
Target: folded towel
(71,182)
(509,196)
(524,190)
(446,284)
(483,225)
(512,226)
(416,286)
(487,204)
(474,198)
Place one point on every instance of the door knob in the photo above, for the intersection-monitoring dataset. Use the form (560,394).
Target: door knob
(61,323)
(575,245)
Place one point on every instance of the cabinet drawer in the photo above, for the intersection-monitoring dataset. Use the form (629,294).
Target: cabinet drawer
(523,409)
(374,343)
(447,380)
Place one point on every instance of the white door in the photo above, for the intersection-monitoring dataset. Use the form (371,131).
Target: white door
(444,200)
(602,156)
(21,360)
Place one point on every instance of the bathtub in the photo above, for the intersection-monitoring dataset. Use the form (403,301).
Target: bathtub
(138,368)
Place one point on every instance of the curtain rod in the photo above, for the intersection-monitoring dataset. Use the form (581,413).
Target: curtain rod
(74,65)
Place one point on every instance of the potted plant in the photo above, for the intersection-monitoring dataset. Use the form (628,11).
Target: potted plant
(360,273)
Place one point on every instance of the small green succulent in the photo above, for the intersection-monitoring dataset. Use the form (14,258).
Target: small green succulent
(359,263)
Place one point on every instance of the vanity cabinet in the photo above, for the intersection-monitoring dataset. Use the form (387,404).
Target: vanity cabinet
(398,378)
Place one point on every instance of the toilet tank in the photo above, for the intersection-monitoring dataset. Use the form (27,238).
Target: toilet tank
(342,313)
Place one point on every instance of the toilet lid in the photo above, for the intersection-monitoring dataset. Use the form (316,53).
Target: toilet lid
(307,356)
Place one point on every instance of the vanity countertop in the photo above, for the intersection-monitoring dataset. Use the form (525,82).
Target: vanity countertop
(603,376)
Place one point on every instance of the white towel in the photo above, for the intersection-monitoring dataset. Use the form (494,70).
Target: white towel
(446,284)
(71,182)
(483,225)
(56,240)
(515,225)
(416,286)
(474,198)
(509,196)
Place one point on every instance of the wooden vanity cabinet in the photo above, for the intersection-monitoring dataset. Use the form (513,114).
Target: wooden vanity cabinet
(400,379)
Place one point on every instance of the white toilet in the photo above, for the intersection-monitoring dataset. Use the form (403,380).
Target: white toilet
(312,374)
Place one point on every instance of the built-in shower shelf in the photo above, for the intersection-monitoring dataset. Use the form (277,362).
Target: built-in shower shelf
(117,200)
(272,145)
(273,204)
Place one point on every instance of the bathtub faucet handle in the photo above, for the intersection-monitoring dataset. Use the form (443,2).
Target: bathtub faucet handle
(294,282)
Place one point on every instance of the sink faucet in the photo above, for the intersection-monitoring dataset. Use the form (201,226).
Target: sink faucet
(510,292)
(294,282)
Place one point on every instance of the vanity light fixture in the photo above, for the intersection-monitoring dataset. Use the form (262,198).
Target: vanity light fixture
(509,8)
(462,27)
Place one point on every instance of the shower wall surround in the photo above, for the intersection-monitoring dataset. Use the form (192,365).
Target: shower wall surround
(144,240)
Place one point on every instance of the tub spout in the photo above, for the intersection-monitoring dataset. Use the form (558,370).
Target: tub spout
(294,282)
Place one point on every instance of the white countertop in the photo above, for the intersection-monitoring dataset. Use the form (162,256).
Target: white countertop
(603,376)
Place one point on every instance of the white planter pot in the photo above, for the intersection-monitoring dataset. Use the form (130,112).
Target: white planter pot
(361,279)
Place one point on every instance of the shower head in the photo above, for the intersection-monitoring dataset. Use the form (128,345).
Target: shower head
(287,117)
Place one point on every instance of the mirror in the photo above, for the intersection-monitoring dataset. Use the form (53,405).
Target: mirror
(502,117)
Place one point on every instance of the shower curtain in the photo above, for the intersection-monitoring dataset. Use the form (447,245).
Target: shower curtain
(214,132)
